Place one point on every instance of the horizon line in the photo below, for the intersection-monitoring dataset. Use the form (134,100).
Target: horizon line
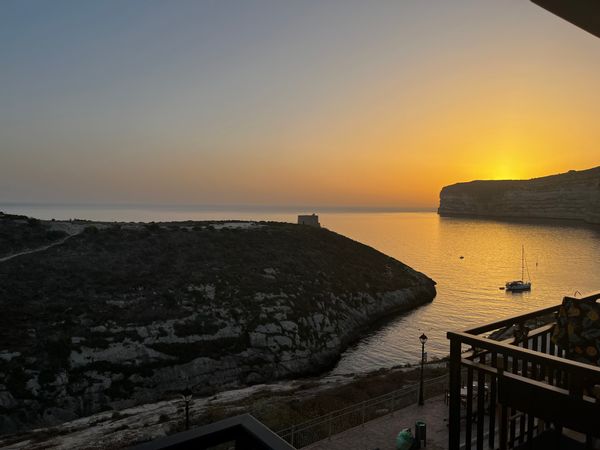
(224,207)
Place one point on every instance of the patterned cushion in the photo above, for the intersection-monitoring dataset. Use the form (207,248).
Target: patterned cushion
(577,330)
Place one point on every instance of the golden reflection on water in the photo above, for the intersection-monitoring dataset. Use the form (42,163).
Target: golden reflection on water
(562,258)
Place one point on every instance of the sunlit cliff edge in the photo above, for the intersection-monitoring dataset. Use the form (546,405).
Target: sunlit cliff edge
(574,195)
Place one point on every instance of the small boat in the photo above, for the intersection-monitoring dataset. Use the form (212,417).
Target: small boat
(520,285)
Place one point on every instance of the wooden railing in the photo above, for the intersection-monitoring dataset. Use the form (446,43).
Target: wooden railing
(486,374)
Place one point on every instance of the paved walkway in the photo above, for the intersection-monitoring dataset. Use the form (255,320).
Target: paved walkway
(381,433)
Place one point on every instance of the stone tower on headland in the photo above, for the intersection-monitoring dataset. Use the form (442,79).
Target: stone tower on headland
(312,220)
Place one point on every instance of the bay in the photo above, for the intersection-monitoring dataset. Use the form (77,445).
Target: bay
(562,259)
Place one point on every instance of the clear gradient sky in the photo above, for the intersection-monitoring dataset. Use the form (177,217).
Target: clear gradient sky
(370,103)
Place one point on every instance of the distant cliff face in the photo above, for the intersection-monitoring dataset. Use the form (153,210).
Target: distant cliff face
(119,315)
(573,195)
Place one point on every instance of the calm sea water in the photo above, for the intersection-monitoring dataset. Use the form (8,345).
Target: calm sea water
(562,259)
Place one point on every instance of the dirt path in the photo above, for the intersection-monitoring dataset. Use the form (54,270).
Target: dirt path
(38,249)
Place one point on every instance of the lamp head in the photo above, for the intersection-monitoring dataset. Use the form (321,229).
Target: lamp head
(186,394)
(423,339)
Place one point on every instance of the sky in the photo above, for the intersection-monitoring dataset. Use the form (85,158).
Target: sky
(318,102)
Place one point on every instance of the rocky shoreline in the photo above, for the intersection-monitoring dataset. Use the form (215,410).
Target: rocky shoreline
(574,195)
(124,314)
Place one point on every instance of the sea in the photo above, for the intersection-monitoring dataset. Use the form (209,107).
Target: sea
(469,258)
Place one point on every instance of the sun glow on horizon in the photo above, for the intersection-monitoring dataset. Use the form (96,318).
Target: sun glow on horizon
(377,106)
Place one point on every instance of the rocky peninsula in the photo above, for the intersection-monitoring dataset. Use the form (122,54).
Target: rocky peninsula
(111,315)
(574,195)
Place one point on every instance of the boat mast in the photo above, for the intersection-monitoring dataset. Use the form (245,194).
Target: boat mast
(522,263)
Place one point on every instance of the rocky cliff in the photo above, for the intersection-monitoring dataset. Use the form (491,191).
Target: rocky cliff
(123,314)
(574,195)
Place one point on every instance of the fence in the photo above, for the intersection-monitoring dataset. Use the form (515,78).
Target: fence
(323,427)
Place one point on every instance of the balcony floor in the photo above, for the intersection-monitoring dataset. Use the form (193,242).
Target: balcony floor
(548,441)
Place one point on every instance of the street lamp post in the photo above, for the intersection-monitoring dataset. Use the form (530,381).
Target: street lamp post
(423,339)
(186,395)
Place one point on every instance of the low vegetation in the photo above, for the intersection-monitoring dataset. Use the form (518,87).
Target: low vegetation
(19,233)
(123,313)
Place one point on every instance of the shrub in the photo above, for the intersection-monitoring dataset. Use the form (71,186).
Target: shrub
(53,235)
(32,222)
(90,229)
(152,226)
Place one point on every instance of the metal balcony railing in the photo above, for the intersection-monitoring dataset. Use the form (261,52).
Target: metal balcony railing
(505,393)
(335,422)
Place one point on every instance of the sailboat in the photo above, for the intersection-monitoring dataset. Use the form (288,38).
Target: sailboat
(520,285)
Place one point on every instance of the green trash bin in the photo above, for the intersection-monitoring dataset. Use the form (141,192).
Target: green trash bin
(420,434)
(405,440)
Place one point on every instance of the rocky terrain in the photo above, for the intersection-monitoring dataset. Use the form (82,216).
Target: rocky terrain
(574,195)
(123,314)
(278,405)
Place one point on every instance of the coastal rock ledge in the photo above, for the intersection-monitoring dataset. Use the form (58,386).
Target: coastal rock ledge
(123,314)
(574,195)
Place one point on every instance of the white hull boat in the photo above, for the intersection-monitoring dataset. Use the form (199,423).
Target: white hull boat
(520,285)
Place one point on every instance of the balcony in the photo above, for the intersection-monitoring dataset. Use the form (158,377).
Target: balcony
(522,391)
(240,432)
